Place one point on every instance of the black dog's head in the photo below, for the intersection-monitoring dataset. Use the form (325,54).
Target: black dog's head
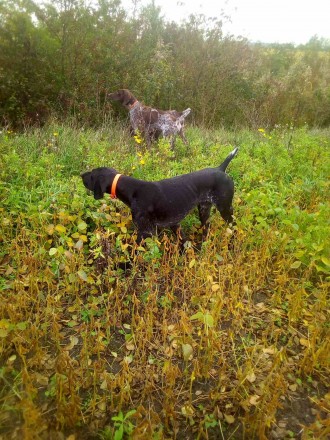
(99,180)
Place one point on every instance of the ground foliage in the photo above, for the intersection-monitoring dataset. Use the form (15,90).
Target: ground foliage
(101,339)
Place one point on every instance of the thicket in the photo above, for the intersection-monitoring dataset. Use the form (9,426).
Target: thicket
(62,57)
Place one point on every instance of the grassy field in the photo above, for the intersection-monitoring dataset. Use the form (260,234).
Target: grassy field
(100,340)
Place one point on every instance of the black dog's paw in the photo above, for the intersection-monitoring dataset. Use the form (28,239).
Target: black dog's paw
(124,265)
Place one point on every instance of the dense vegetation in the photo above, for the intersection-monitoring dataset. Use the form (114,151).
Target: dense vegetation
(62,57)
(99,339)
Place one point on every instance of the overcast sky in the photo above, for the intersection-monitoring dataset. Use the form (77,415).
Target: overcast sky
(282,21)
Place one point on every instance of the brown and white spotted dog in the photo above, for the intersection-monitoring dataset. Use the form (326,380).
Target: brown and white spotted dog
(151,123)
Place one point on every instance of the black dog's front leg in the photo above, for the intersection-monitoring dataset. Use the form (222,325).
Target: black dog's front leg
(179,233)
(143,234)
(204,210)
(145,227)
(227,215)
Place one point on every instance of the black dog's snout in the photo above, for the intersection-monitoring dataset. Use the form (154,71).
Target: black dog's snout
(86,178)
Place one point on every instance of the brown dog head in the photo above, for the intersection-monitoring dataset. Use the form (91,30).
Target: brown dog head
(124,96)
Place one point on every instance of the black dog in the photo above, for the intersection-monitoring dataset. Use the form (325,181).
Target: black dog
(166,202)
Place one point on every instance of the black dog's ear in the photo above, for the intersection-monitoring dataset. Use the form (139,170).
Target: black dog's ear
(98,193)
(100,187)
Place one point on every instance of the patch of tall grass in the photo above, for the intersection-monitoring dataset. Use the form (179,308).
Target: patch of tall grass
(99,337)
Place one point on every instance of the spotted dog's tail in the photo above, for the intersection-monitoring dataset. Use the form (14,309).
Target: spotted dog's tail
(228,159)
(184,114)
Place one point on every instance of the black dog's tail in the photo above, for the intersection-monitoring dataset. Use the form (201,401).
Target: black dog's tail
(228,159)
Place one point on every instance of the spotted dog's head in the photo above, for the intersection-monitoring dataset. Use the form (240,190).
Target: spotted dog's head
(124,96)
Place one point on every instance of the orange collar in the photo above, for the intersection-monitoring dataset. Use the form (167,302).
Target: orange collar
(133,105)
(114,186)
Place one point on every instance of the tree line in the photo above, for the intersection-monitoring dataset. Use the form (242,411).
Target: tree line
(61,58)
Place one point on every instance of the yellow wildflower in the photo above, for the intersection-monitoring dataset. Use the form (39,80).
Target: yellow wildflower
(55,134)
(137,139)
(142,162)
(261,130)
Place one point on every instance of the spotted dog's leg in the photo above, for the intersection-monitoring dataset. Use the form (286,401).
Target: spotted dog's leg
(182,136)
(148,138)
(173,141)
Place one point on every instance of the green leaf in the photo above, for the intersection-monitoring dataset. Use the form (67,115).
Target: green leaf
(60,228)
(82,274)
(192,263)
(187,351)
(295,265)
(208,320)
(325,260)
(198,315)
(130,413)
(52,251)
(72,277)
(229,419)
(119,417)
(119,433)
(21,325)
(3,332)
(82,226)
(321,269)
(79,245)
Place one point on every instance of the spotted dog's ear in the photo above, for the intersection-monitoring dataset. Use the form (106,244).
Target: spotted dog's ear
(126,97)
(100,186)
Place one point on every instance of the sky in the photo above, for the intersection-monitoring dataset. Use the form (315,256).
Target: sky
(268,21)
